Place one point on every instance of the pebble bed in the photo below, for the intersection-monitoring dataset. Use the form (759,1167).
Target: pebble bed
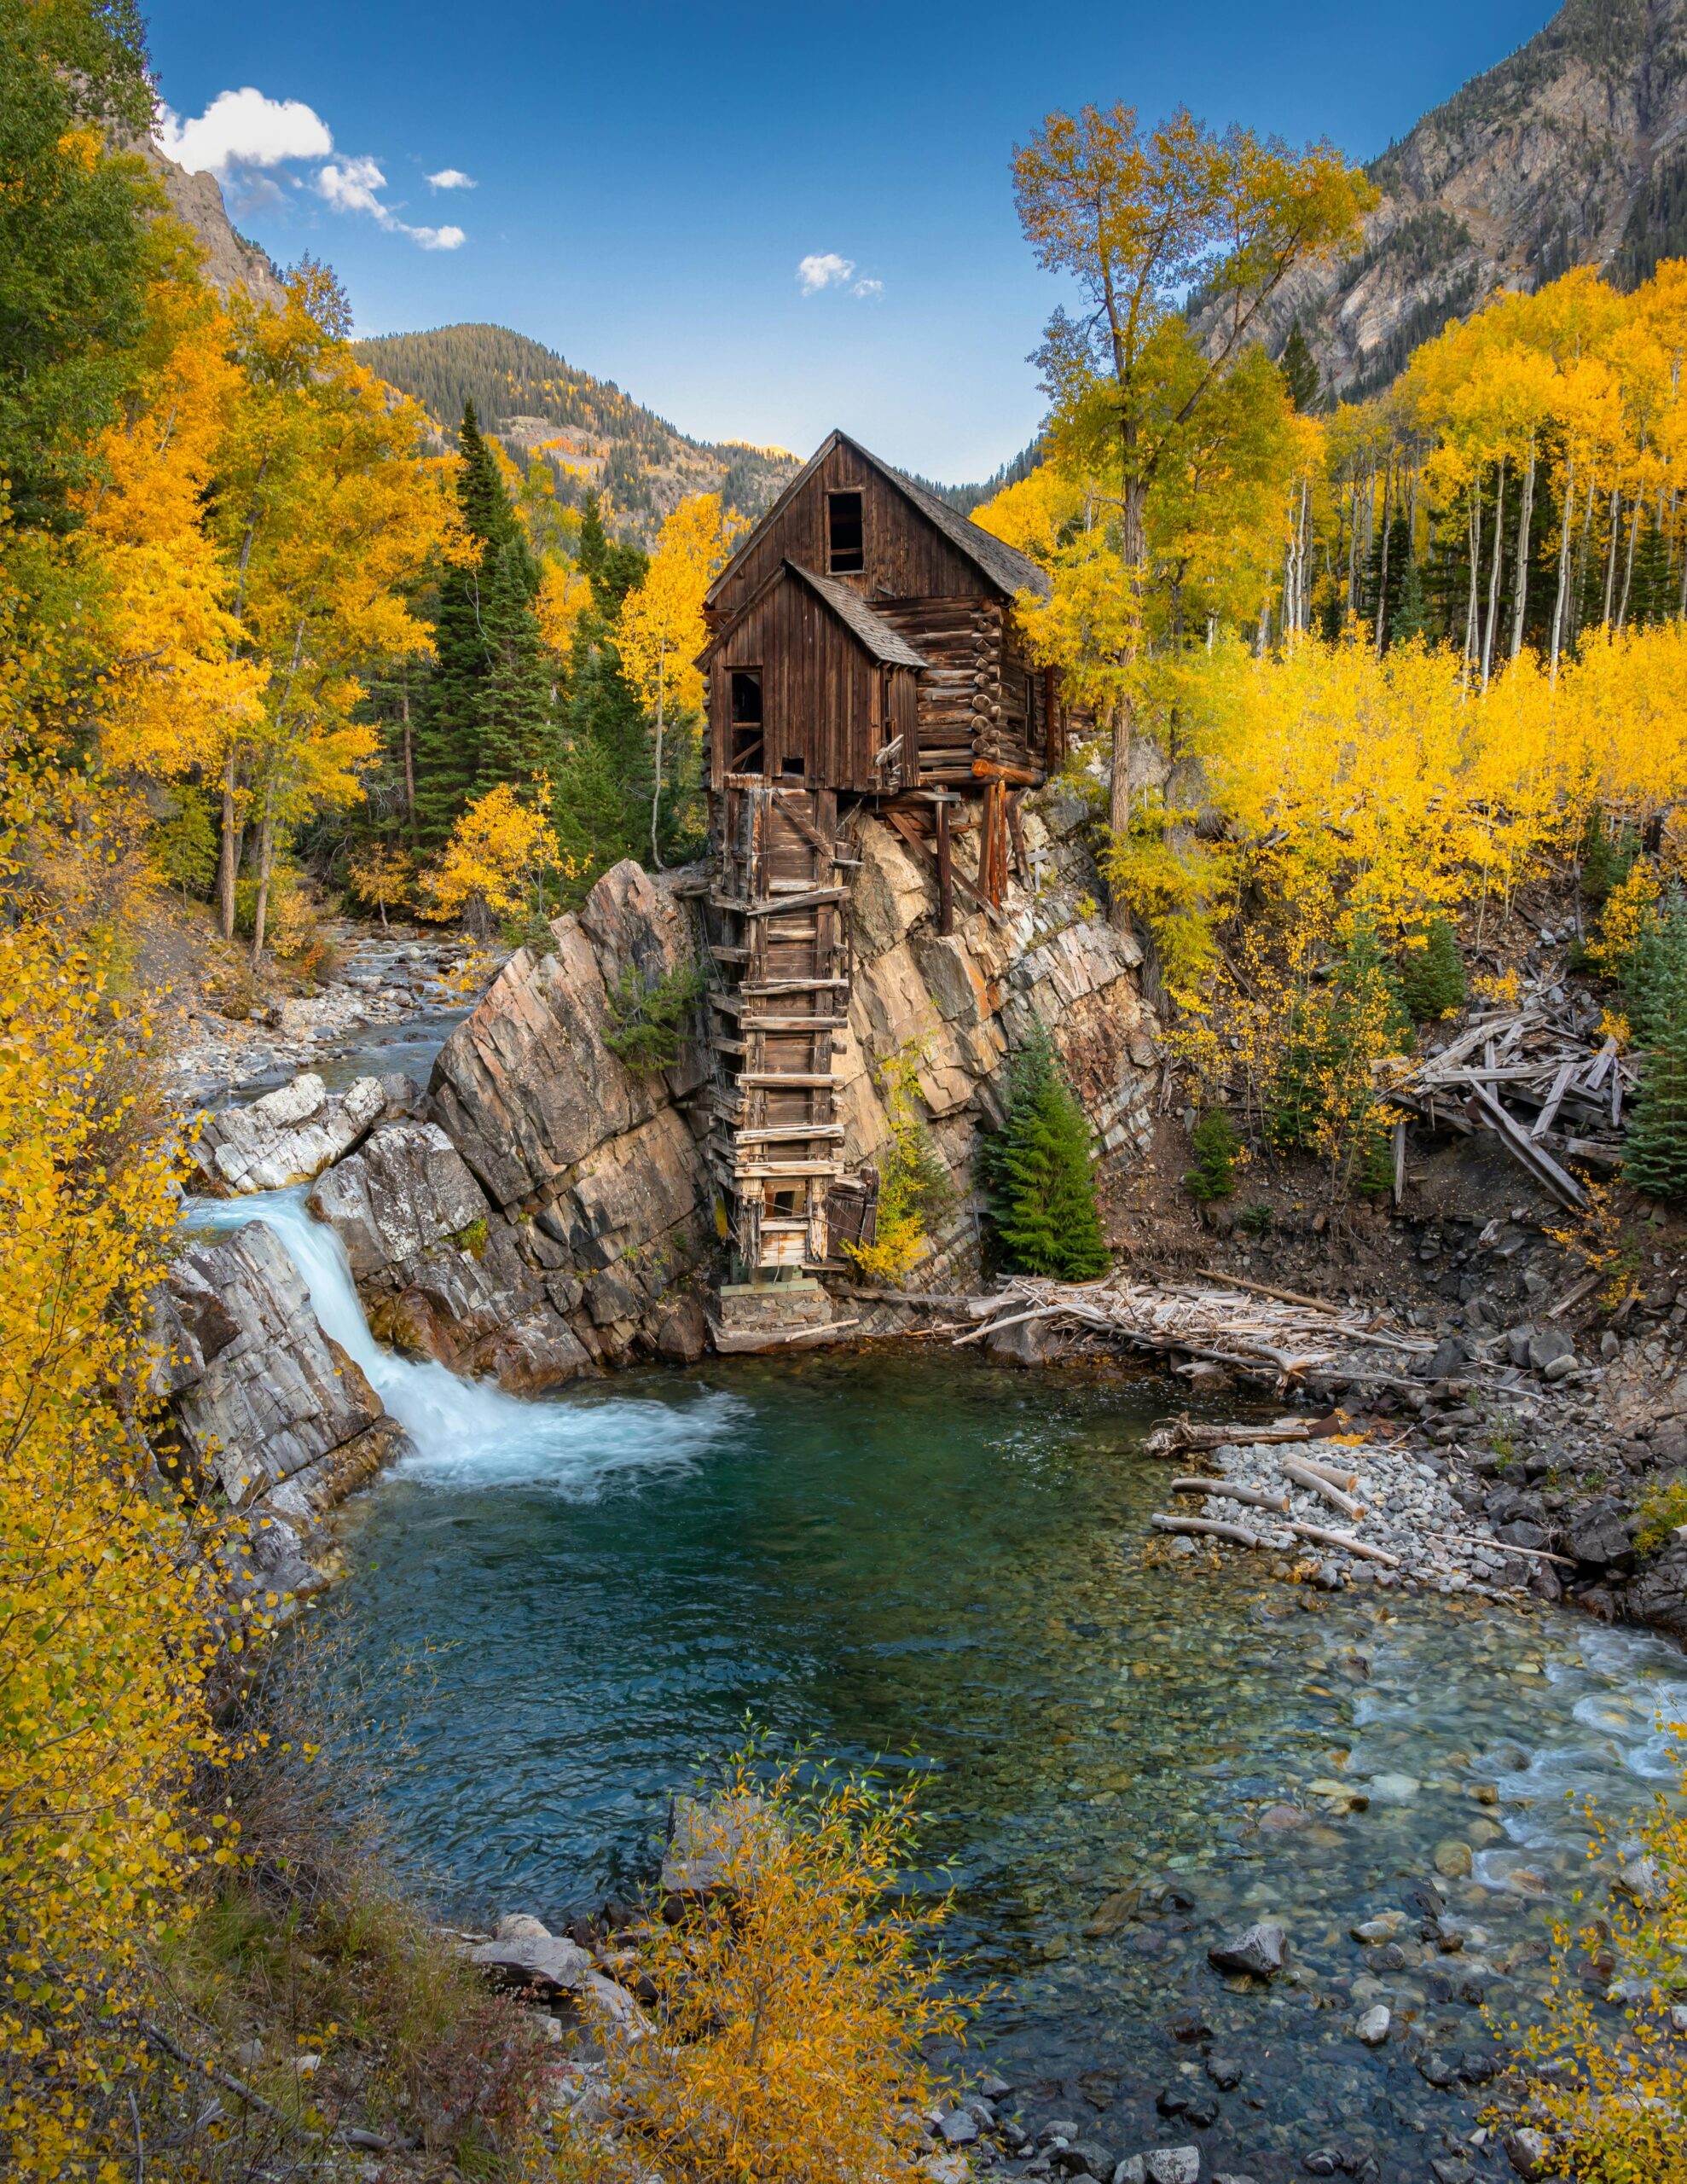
(1409,1511)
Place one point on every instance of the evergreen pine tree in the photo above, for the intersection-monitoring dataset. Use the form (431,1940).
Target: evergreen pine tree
(1215,1147)
(1300,370)
(1411,616)
(1431,979)
(1656,1159)
(1042,1190)
(487,714)
(1654,973)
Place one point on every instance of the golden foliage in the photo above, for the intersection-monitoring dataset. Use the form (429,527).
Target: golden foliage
(497,851)
(909,1176)
(661,630)
(108,1628)
(794,2001)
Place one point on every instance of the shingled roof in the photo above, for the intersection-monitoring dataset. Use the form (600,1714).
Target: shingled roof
(880,639)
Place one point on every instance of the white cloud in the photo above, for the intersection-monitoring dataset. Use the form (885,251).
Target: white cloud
(242,133)
(868,289)
(823,269)
(243,129)
(349,186)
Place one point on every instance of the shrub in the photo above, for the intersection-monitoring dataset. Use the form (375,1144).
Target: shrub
(1322,1099)
(796,2002)
(1040,1173)
(1256,1220)
(184,845)
(1429,971)
(649,1017)
(1610,2086)
(1663,1511)
(1216,1146)
(913,1184)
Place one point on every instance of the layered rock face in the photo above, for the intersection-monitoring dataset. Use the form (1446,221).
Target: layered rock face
(289,1135)
(1569,152)
(266,1404)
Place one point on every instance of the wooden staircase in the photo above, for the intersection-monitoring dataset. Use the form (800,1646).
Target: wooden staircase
(775,1144)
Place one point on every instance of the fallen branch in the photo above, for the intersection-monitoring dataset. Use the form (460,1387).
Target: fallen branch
(1299,1474)
(1345,1541)
(1205,1528)
(1223,1490)
(1347,1480)
(1505,1546)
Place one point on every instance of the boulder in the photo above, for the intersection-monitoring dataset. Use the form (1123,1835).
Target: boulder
(1598,1534)
(288,1136)
(1257,1951)
(1658,1593)
(709,1843)
(681,1331)
(544,1962)
(276,1395)
(407,1190)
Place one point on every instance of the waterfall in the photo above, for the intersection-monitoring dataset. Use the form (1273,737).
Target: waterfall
(470,1432)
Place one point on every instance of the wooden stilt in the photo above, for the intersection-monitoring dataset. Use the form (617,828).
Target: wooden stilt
(945,875)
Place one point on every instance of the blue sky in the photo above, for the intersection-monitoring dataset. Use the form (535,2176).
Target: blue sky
(637,185)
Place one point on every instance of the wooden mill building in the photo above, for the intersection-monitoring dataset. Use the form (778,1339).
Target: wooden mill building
(862,653)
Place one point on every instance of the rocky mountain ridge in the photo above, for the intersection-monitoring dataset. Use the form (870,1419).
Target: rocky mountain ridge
(1573,151)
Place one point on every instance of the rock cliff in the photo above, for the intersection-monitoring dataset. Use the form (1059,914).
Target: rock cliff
(1571,152)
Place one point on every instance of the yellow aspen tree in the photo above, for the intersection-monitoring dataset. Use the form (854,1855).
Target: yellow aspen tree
(661,630)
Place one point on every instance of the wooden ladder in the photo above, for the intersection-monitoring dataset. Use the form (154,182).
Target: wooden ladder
(775,1144)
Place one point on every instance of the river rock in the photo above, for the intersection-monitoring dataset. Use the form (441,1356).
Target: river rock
(276,1394)
(288,1136)
(1172,2165)
(1257,1951)
(520,1926)
(545,1961)
(1599,1535)
(958,2129)
(1372,2029)
(709,1842)
(1530,2152)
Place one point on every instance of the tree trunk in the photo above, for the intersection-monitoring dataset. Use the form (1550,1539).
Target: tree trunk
(228,854)
(655,791)
(409,756)
(1611,557)
(1119,809)
(1523,522)
(1493,574)
(1628,561)
(1472,620)
(1563,569)
(1383,564)
(266,865)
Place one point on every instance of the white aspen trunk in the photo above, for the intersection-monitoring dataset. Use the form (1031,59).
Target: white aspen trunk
(1382,562)
(228,850)
(1493,574)
(1628,561)
(1471,623)
(1524,519)
(1563,568)
(656,790)
(1611,557)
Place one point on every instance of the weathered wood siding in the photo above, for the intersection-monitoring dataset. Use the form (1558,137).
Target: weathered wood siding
(907,557)
(825,701)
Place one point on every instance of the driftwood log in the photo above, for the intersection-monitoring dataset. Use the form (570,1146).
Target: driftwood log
(1345,1541)
(1205,1528)
(1314,1482)
(1223,1490)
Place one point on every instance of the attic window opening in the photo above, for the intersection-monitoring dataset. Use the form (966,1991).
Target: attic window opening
(746,697)
(845,534)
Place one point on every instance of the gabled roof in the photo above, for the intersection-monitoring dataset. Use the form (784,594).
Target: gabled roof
(1006,567)
(868,628)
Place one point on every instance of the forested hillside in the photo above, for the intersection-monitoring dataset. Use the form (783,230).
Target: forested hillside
(593,437)
(1567,153)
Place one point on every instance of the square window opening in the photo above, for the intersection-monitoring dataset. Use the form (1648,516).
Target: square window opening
(845,534)
(746,697)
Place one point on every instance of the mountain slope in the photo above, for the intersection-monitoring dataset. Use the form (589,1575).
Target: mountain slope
(1572,152)
(594,435)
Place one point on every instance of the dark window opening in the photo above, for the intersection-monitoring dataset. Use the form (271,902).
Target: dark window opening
(846,534)
(795,767)
(784,1202)
(746,697)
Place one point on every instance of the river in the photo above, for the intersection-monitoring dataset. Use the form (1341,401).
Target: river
(919,1557)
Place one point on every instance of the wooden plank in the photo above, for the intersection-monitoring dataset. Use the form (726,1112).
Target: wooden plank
(785,1133)
(789,905)
(776,1078)
(1517,1141)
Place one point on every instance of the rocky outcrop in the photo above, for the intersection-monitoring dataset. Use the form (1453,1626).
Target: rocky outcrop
(264,1404)
(230,261)
(1568,153)
(288,1135)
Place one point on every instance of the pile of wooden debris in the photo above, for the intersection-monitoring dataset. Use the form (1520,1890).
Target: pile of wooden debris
(1266,1335)
(1547,1059)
